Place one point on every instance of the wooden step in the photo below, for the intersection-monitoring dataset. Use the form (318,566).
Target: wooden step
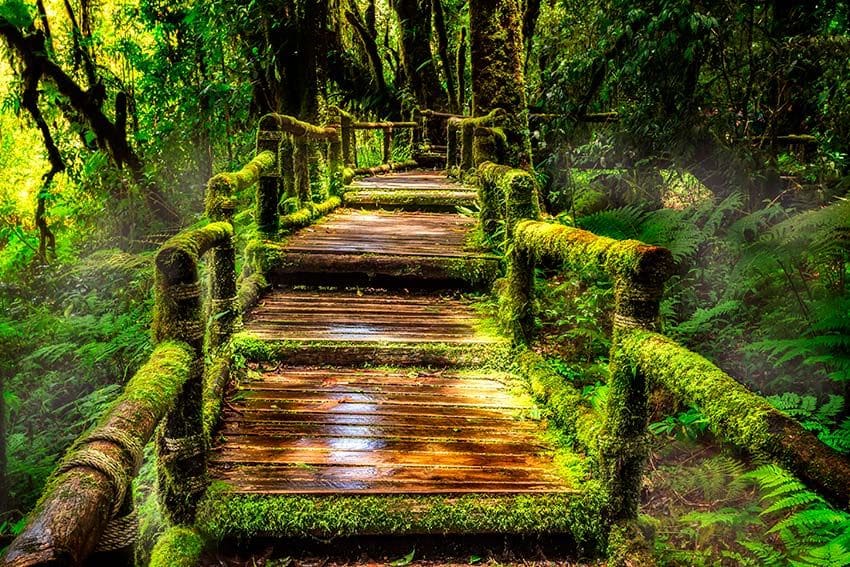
(397,249)
(349,316)
(345,430)
(414,191)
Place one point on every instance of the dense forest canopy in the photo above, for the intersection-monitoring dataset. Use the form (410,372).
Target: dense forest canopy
(720,130)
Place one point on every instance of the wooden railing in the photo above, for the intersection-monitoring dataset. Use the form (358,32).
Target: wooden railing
(640,357)
(87,506)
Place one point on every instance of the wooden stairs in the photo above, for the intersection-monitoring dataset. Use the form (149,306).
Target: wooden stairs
(382,410)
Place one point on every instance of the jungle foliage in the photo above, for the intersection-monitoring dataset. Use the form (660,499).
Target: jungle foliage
(728,145)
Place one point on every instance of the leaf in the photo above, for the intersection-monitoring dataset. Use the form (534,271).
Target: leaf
(406,560)
(473,559)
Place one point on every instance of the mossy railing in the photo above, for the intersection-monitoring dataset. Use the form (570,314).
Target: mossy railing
(472,141)
(295,171)
(87,505)
(349,125)
(640,357)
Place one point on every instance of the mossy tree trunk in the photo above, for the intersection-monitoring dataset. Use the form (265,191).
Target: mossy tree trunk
(414,20)
(498,78)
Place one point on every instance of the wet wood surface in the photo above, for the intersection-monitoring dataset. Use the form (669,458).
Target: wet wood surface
(349,316)
(347,430)
(396,233)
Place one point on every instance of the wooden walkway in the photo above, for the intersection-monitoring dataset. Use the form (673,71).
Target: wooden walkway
(334,427)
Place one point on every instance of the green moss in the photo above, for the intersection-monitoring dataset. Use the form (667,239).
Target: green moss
(216,376)
(580,248)
(493,355)
(178,547)
(394,198)
(160,379)
(226,514)
(177,312)
(308,214)
(564,403)
(735,413)
(222,187)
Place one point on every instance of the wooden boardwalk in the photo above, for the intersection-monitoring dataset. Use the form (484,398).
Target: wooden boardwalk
(333,427)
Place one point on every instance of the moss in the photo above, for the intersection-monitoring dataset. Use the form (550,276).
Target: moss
(216,376)
(401,198)
(734,412)
(226,514)
(221,188)
(249,290)
(308,214)
(498,79)
(507,195)
(178,547)
(159,380)
(629,259)
(495,356)
(563,402)
(347,176)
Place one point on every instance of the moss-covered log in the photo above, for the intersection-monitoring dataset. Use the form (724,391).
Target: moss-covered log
(299,129)
(383,125)
(737,415)
(177,316)
(506,196)
(92,481)
(269,186)
(564,403)
(219,204)
(224,513)
(627,259)
(498,79)
(310,213)
(480,356)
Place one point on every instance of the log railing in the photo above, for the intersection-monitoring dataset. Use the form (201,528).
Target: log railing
(295,172)
(87,505)
(349,126)
(640,357)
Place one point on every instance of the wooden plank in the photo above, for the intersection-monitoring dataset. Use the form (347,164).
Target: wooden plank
(379,408)
(300,429)
(432,423)
(371,444)
(269,474)
(250,397)
(309,457)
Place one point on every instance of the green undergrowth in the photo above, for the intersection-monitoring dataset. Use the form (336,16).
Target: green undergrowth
(225,514)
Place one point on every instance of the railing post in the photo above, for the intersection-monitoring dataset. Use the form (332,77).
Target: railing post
(346,133)
(287,169)
(267,215)
(624,442)
(452,149)
(388,144)
(181,442)
(301,161)
(335,163)
(224,312)
(466,147)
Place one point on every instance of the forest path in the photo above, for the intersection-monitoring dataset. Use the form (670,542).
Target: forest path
(386,408)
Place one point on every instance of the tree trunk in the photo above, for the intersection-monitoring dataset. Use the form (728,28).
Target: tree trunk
(498,78)
(414,18)
(443,50)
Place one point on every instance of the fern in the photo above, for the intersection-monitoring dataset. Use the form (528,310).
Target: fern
(812,532)
(621,223)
